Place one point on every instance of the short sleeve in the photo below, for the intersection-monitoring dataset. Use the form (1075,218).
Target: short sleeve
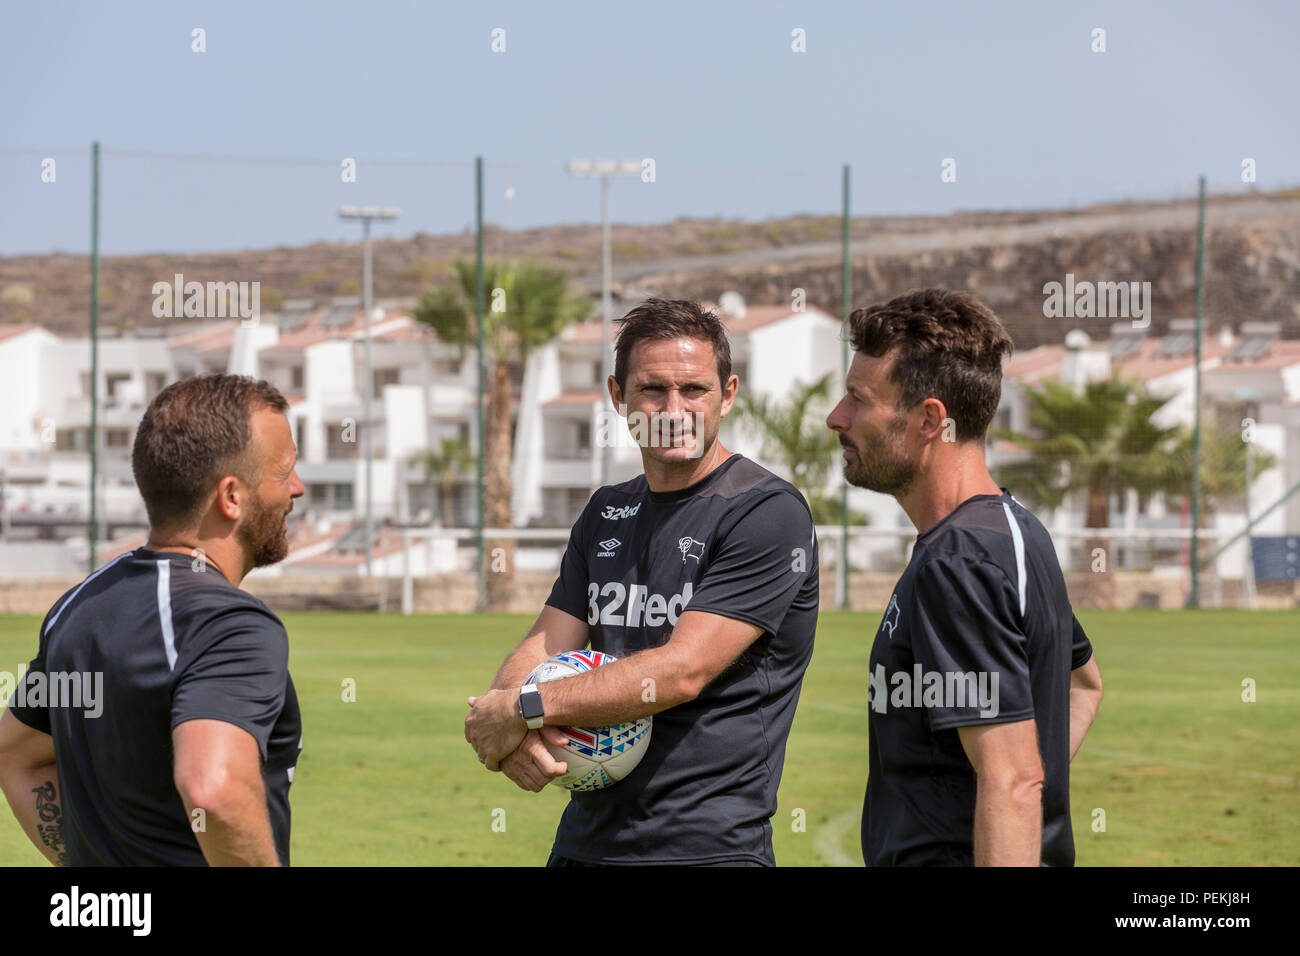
(240,677)
(968,641)
(760,567)
(35,717)
(569,593)
(1080,646)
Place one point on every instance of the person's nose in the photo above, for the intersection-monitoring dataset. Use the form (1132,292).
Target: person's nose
(835,420)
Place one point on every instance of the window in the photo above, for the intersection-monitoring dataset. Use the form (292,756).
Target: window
(567,439)
(117,438)
(337,444)
(296,378)
(562,506)
(579,375)
(385,376)
(342,497)
(112,380)
(72,439)
(578,498)
(154,382)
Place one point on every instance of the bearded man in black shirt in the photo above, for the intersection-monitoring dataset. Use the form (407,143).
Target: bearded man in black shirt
(982,682)
(186,756)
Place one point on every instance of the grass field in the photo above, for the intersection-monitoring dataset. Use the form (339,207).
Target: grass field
(1184,770)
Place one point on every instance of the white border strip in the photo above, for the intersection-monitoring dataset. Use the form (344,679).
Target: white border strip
(1019,542)
(165,610)
(49,627)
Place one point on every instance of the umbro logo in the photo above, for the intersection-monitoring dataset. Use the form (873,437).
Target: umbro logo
(628,511)
(609,544)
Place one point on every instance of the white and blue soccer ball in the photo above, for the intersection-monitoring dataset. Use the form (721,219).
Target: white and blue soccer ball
(598,757)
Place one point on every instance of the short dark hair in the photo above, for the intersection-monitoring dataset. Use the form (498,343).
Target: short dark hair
(947,345)
(662,319)
(193,433)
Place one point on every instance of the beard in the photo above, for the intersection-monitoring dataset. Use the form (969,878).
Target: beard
(882,467)
(263,535)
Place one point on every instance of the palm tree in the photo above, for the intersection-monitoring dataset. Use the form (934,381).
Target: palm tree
(1223,465)
(448,465)
(1101,441)
(527,306)
(794,433)
(1098,441)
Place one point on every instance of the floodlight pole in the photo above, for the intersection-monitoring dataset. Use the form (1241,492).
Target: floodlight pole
(480,303)
(1247,395)
(1194,598)
(94,350)
(846,306)
(606,316)
(604,169)
(1248,573)
(366,214)
(367,386)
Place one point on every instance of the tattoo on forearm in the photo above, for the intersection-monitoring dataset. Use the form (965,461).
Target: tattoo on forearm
(51,826)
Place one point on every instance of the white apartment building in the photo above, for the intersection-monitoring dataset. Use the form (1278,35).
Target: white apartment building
(1251,374)
(425,390)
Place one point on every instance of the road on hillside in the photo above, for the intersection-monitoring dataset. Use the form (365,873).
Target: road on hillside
(1073,226)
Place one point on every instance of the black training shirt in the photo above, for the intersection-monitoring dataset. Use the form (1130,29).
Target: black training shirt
(738,543)
(173,640)
(979,630)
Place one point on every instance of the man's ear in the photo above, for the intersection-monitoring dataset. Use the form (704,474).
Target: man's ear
(729,394)
(229,498)
(934,415)
(616,395)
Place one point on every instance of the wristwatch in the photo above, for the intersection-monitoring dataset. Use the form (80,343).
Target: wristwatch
(530,706)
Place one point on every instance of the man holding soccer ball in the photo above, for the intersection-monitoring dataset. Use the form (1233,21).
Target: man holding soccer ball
(700,576)
(982,683)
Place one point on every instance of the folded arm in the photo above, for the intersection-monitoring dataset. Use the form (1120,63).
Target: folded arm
(701,647)
(30,781)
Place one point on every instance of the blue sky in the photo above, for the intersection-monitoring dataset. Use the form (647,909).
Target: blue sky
(241,146)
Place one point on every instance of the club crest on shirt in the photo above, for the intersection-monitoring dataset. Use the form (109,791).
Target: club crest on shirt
(892,615)
(690,548)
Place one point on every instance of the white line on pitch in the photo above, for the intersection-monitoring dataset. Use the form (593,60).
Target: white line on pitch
(829,842)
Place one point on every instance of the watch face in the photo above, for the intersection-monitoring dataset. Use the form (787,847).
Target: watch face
(530,704)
